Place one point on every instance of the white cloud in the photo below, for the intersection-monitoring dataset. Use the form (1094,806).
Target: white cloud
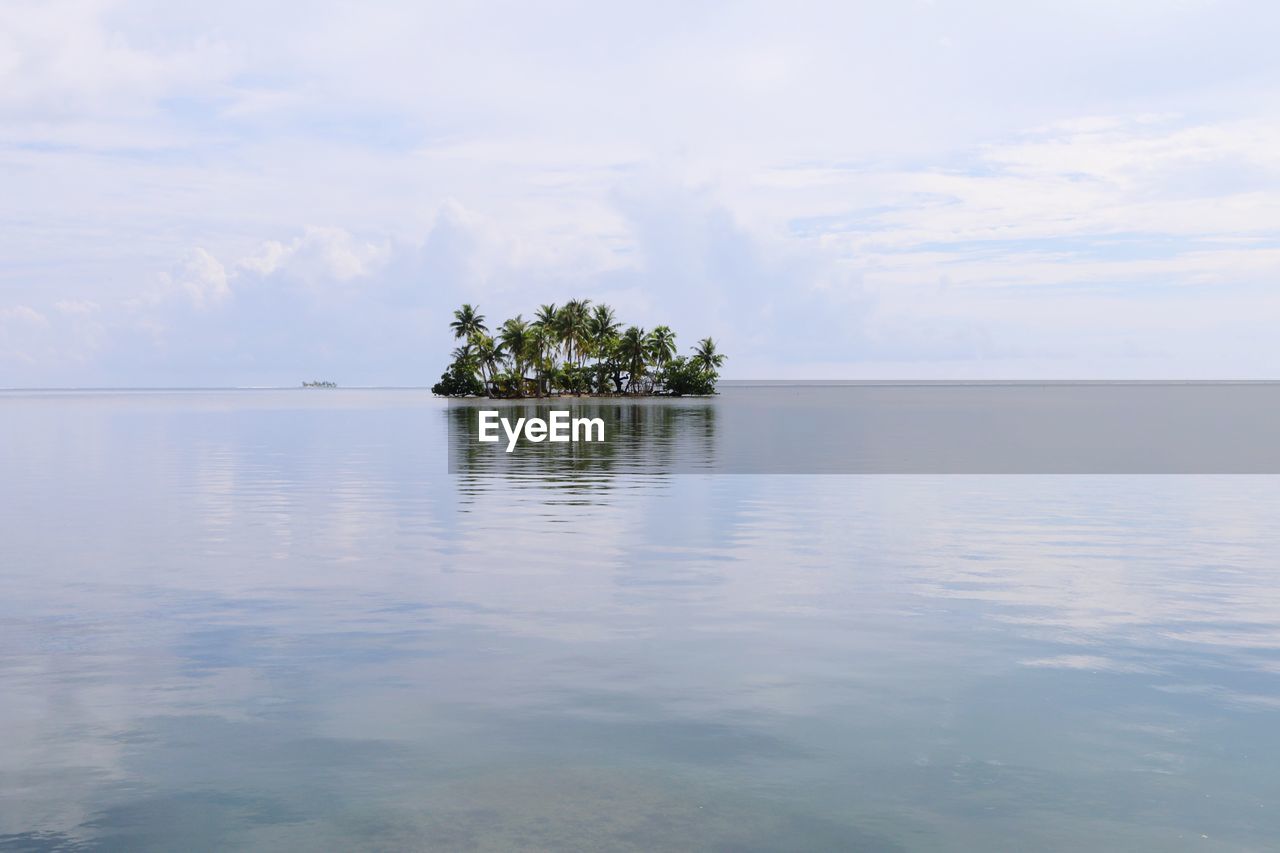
(72,59)
(22,315)
(75,306)
(848,188)
(320,253)
(202,278)
(23,338)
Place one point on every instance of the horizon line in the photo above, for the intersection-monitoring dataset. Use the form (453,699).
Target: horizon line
(811,383)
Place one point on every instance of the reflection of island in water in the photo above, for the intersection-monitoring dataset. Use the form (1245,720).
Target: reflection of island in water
(939,428)
(643,436)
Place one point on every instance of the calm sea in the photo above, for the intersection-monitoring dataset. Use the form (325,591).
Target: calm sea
(273,620)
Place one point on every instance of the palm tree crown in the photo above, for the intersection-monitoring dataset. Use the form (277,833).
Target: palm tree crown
(661,345)
(546,317)
(705,355)
(467,321)
(514,336)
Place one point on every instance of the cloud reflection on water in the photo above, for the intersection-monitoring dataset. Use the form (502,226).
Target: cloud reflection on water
(273,617)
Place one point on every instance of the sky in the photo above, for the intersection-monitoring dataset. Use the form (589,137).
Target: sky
(250,193)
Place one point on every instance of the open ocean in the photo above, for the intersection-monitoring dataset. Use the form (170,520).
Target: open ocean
(274,620)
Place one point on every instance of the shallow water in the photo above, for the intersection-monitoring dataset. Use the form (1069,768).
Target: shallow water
(272,620)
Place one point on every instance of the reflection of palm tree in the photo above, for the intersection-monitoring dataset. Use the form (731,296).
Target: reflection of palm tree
(705,355)
(467,321)
(652,439)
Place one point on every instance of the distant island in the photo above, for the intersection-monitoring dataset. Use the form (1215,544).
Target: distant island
(320,384)
(578,348)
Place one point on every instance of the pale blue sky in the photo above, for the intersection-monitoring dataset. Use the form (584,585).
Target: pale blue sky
(244,193)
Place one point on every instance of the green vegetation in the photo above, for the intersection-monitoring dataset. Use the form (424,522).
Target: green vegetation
(320,383)
(578,348)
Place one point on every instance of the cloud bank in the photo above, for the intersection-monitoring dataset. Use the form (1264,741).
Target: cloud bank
(233,195)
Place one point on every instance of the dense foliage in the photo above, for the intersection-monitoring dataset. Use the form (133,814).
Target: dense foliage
(578,348)
(457,381)
(684,377)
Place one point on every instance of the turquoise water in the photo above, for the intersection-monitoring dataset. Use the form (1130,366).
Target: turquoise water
(272,620)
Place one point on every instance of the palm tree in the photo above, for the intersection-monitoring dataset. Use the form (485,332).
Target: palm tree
(602,334)
(467,321)
(463,355)
(571,323)
(558,344)
(632,351)
(602,320)
(705,355)
(514,336)
(537,347)
(661,344)
(486,353)
(546,317)
(545,320)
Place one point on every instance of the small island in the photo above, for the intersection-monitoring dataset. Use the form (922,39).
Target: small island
(322,383)
(577,349)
